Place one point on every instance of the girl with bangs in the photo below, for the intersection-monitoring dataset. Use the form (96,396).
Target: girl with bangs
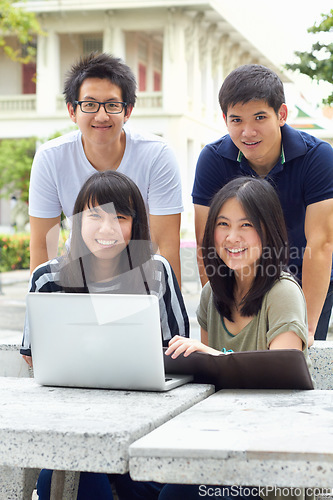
(110,235)
(251,301)
(109,252)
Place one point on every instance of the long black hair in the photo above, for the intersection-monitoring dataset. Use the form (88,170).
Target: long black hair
(261,204)
(112,191)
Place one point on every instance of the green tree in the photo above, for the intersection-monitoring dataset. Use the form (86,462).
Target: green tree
(15,164)
(318,63)
(16,156)
(23,25)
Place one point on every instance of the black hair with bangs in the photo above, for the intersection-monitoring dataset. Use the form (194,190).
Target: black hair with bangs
(262,206)
(112,191)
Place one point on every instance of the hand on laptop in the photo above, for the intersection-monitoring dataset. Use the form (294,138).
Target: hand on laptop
(178,345)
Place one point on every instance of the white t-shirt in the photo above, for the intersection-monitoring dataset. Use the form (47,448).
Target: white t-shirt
(60,168)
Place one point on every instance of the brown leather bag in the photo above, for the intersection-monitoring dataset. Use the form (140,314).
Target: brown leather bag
(276,369)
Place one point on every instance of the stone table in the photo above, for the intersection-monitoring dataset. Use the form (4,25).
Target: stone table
(243,437)
(81,429)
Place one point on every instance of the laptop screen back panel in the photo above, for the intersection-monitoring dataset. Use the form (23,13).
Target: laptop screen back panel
(84,340)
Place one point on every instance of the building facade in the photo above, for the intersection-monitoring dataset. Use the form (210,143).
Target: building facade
(179,50)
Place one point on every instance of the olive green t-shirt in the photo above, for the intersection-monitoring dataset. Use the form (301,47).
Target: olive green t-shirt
(283,309)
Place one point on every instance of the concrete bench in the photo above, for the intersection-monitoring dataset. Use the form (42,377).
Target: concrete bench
(11,362)
(17,482)
(321,355)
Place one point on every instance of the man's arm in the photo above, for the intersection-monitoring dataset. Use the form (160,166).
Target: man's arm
(165,232)
(44,238)
(200,218)
(317,260)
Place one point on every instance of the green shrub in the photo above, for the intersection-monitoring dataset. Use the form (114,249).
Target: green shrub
(14,251)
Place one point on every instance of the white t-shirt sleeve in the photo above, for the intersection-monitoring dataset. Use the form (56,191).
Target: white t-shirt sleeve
(43,193)
(152,165)
(165,190)
(58,172)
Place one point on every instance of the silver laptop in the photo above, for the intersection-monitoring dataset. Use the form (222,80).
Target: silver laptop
(98,341)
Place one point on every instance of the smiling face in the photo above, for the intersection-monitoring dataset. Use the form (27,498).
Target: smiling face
(236,240)
(255,129)
(99,128)
(105,233)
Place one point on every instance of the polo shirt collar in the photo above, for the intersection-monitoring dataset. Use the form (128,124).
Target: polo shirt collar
(293,146)
(278,167)
(282,156)
(294,142)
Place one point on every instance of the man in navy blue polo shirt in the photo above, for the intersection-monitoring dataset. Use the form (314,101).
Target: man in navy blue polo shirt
(299,166)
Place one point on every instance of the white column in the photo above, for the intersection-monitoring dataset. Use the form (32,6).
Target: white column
(217,83)
(194,70)
(197,101)
(208,83)
(114,38)
(245,58)
(223,45)
(220,54)
(48,73)
(174,66)
(233,59)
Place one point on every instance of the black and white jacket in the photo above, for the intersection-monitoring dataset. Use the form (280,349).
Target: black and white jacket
(161,282)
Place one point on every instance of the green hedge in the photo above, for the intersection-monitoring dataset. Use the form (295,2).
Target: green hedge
(14,251)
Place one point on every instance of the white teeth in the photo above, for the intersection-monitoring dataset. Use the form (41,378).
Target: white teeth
(235,250)
(106,242)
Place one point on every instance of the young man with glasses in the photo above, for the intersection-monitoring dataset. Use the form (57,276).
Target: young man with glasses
(100,96)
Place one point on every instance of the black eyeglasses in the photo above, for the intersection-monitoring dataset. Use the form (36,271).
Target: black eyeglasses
(112,108)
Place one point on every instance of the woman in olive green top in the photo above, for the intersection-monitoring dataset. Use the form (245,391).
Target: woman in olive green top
(251,302)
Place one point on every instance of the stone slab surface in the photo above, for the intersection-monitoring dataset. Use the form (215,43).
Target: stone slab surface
(12,363)
(81,429)
(243,437)
(321,355)
(17,483)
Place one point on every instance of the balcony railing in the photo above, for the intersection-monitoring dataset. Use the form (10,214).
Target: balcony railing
(60,104)
(46,5)
(27,102)
(149,100)
(17,103)
(145,100)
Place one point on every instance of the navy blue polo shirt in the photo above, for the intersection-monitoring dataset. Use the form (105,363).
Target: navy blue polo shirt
(303,175)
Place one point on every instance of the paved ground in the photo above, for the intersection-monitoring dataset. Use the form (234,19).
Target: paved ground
(14,286)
